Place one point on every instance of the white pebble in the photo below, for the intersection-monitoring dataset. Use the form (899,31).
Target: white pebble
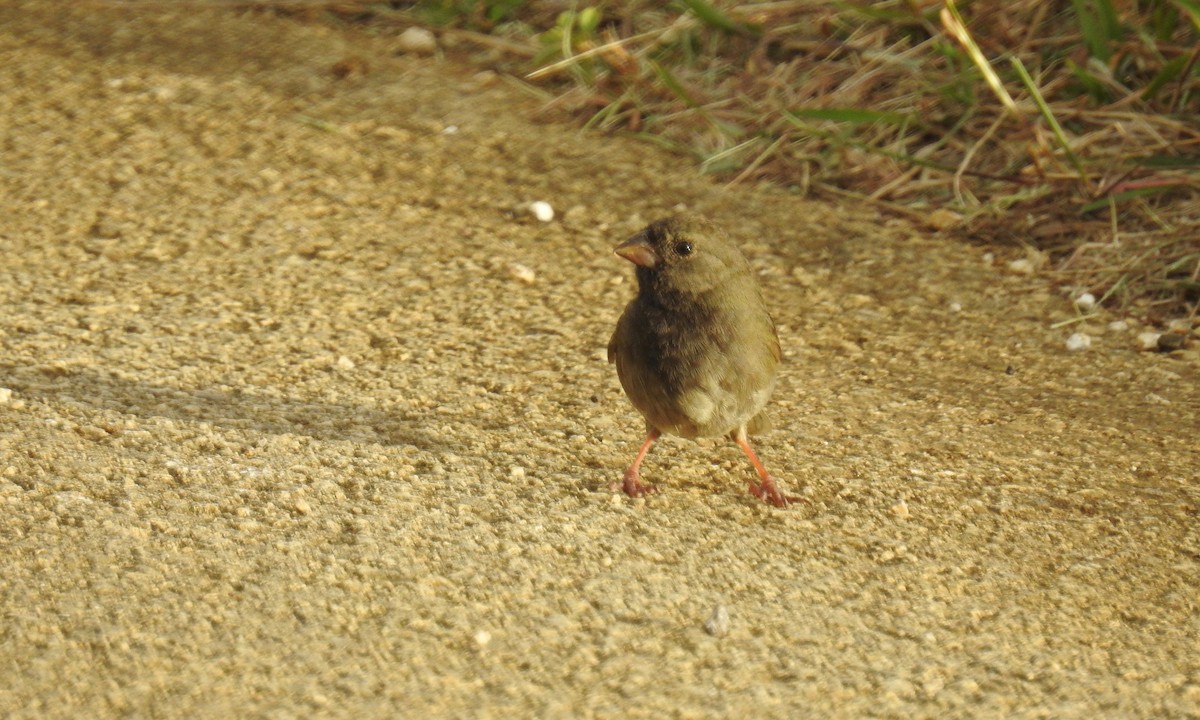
(5,395)
(955,307)
(524,273)
(1148,340)
(345,363)
(417,40)
(482,638)
(1085,302)
(516,472)
(1079,341)
(717,624)
(1118,325)
(1021,266)
(450,130)
(542,210)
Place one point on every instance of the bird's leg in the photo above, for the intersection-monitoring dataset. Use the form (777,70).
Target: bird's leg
(633,486)
(766,489)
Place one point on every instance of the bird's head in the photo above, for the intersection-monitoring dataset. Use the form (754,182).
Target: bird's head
(685,253)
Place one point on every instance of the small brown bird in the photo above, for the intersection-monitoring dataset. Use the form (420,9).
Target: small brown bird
(696,350)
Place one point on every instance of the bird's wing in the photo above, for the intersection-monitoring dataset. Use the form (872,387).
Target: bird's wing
(775,343)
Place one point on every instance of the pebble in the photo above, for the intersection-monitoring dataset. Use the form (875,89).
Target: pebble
(1079,341)
(524,273)
(944,219)
(417,40)
(542,210)
(1148,340)
(1171,341)
(1021,266)
(717,624)
(5,395)
(900,508)
(1085,302)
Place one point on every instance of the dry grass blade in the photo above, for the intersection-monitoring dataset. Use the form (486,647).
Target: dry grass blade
(953,22)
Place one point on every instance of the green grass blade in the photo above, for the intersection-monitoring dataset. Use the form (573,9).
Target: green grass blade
(1098,25)
(1191,8)
(1048,115)
(1169,73)
(1121,197)
(838,139)
(672,83)
(713,17)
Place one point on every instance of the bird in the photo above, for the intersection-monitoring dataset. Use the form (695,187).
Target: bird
(696,349)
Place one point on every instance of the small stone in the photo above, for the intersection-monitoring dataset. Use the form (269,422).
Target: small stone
(1118,325)
(92,432)
(516,472)
(1079,341)
(943,219)
(1171,341)
(717,624)
(301,506)
(345,363)
(417,41)
(1148,340)
(542,210)
(5,395)
(1033,261)
(524,273)
(1086,302)
(1021,266)
(482,638)
(900,508)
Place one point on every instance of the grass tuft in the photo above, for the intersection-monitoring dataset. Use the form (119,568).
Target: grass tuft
(1073,125)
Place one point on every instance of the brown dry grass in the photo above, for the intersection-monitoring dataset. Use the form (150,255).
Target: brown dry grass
(1070,127)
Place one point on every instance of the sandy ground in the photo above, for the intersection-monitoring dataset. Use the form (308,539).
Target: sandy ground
(306,421)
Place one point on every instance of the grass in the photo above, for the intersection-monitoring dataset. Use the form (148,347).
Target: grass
(1072,126)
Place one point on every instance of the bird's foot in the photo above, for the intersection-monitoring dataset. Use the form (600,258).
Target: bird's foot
(769,493)
(633,486)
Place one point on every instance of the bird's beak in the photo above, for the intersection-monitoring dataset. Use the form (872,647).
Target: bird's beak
(638,251)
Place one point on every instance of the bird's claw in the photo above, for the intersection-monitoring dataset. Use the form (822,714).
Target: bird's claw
(634,488)
(767,492)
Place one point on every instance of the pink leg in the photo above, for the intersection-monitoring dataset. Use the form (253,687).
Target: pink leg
(766,489)
(633,482)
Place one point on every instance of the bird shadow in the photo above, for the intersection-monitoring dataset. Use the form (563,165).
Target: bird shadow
(222,408)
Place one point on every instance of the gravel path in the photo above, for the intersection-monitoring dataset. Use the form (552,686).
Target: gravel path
(305,415)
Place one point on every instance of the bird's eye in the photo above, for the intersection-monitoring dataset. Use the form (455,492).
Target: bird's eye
(683,248)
